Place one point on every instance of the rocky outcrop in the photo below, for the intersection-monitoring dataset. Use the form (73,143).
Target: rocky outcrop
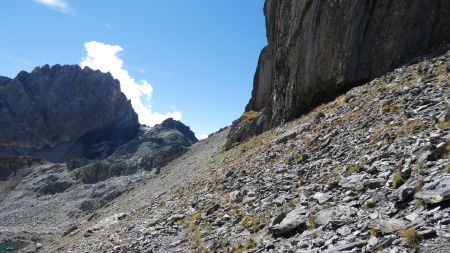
(63,112)
(170,134)
(152,148)
(319,49)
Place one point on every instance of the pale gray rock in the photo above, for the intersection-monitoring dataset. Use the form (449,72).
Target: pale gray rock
(437,192)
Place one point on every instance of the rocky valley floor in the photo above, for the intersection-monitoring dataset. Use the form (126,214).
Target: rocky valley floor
(367,172)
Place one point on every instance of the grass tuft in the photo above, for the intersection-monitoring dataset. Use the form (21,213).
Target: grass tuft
(412,238)
(397,180)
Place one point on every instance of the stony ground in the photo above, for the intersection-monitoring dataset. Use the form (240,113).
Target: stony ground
(368,172)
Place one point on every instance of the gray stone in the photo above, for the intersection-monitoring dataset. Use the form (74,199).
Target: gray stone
(354,181)
(322,197)
(348,246)
(392,225)
(294,222)
(438,193)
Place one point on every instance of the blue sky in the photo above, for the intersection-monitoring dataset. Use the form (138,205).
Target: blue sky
(199,56)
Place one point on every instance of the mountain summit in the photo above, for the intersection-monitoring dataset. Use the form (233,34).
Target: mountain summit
(63,112)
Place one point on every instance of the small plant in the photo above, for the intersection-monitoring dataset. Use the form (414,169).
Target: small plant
(249,244)
(314,234)
(412,238)
(397,180)
(415,125)
(311,222)
(297,156)
(251,222)
(445,124)
(353,168)
(392,108)
(237,248)
(369,204)
(374,231)
(197,236)
(420,166)
(250,116)
(447,168)
(418,186)
(419,203)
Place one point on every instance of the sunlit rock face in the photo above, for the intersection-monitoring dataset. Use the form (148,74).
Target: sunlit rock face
(63,112)
(319,49)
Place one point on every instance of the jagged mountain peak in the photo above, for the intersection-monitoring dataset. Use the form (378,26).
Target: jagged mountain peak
(51,111)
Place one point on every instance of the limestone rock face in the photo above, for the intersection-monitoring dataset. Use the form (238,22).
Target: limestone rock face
(63,112)
(318,49)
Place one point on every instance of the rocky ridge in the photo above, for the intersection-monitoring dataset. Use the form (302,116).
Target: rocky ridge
(31,188)
(64,112)
(319,49)
(366,172)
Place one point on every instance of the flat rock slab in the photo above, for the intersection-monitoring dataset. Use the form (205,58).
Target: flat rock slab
(392,225)
(295,221)
(440,193)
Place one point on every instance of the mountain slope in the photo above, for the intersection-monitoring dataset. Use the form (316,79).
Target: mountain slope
(31,188)
(367,171)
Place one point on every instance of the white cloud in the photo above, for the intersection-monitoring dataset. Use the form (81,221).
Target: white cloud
(57,5)
(202,136)
(105,58)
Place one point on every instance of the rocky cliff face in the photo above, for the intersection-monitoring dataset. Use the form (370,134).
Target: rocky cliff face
(319,49)
(63,112)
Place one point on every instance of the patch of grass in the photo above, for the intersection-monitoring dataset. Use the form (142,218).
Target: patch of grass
(419,166)
(392,108)
(353,168)
(419,203)
(237,248)
(314,234)
(197,236)
(251,222)
(412,238)
(311,221)
(447,168)
(249,244)
(447,151)
(374,231)
(397,179)
(415,125)
(250,116)
(369,204)
(445,124)
(418,186)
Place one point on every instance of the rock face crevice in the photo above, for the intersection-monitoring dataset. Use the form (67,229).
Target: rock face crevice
(58,112)
(319,49)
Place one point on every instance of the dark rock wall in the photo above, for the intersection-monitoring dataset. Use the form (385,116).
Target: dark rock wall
(318,49)
(51,111)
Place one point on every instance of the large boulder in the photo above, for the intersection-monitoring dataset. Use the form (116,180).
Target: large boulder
(318,49)
(63,112)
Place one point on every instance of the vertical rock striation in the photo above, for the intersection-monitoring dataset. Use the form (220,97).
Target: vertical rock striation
(318,49)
